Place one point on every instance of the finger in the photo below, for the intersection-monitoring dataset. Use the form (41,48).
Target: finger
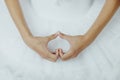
(62,35)
(49,55)
(65,36)
(53,36)
(67,56)
(61,52)
(49,59)
(45,56)
(53,57)
(57,52)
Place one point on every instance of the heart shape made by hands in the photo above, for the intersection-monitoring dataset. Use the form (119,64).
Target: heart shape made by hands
(58,44)
(77,44)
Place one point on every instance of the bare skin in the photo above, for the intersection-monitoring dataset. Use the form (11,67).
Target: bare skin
(78,42)
(38,44)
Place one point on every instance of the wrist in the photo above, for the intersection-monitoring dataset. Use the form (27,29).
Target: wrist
(91,34)
(27,37)
(89,38)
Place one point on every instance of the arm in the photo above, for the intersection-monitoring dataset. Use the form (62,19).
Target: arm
(104,17)
(38,44)
(17,15)
(80,42)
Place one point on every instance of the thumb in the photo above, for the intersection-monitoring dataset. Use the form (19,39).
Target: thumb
(51,37)
(57,52)
(64,36)
(61,52)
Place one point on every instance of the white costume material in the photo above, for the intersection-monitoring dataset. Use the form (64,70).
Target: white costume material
(99,61)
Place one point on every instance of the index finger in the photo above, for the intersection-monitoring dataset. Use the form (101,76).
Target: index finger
(67,55)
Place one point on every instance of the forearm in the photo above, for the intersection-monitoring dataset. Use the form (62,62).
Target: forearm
(17,15)
(104,17)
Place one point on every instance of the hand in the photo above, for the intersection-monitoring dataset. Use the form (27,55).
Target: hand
(39,44)
(78,43)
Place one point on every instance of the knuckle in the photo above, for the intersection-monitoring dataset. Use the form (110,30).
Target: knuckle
(54,60)
(64,59)
(44,57)
(48,38)
(74,56)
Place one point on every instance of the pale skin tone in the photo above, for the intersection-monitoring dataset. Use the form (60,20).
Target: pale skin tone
(78,43)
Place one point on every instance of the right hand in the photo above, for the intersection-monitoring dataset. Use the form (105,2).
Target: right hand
(39,44)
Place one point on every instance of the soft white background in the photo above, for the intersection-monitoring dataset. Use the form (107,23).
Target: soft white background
(100,61)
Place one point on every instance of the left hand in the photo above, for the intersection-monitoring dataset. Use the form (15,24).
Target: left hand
(39,44)
(78,43)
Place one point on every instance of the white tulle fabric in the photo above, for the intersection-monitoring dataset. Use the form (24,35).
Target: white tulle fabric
(100,61)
